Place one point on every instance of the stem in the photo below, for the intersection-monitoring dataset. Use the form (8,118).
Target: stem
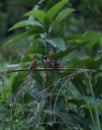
(3,84)
(3,72)
(47,49)
(95,104)
(11,115)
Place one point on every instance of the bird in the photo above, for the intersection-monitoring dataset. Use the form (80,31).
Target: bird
(32,66)
(48,63)
(55,64)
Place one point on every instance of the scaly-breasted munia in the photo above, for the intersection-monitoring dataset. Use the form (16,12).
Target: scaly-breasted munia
(33,65)
(49,63)
(55,64)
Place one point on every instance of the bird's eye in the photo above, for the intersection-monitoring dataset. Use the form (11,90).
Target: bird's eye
(45,57)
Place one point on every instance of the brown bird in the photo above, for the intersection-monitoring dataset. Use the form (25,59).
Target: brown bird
(49,63)
(32,66)
(55,64)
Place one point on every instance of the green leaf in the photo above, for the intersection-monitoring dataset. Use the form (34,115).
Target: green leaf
(61,54)
(100,105)
(40,15)
(8,88)
(78,38)
(72,119)
(19,37)
(82,62)
(26,23)
(78,101)
(92,36)
(33,31)
(63,14)
(54,10)
(58,43)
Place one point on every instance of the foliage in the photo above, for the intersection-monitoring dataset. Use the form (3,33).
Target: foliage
(55,99)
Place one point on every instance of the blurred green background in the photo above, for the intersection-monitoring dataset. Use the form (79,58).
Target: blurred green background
(67,31)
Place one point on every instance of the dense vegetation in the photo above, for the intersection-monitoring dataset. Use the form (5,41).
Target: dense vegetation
(69,98)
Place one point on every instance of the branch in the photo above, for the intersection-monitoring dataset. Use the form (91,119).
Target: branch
(3,72)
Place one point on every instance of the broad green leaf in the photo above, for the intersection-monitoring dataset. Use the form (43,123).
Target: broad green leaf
(58,43)
(8,88)
(40,15)
(100,40)
(63,14)
(78,101)
(91,106)
(87,62)
(72,118)
(80,38)
(54,10)
(92,36)
(33,31)
(61,54)
(100,105)
(26,23)
(19,37)
(15,84)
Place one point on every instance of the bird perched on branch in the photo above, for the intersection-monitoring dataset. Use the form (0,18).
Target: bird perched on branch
(48,63)
(55,64)
(33,65)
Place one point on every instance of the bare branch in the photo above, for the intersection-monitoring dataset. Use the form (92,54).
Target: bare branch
(3,72)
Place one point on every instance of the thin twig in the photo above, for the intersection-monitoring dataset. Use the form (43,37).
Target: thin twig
(48,69)
(57,99)
(11,115)
(66,95)
(95,103)
(4,86)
